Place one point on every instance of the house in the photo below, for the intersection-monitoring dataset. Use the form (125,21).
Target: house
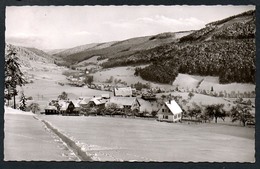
(97,102)
(105,96)
(127,103)
(84,101)
(68,108)
(170,112)
(51,110)
(123,91)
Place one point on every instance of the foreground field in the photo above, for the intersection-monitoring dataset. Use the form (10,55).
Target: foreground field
(27,139)
(120,139)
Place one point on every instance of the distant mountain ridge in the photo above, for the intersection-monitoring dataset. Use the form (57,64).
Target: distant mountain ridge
(117,48)
(238,26)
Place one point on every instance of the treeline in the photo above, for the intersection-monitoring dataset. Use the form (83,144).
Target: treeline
(237,30)
(230,60)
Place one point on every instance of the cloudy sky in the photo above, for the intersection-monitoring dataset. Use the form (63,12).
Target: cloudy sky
(53,27)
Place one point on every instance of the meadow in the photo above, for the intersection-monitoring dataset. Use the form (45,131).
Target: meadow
(124,139)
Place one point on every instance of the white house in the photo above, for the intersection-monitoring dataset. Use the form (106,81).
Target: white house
(170,112)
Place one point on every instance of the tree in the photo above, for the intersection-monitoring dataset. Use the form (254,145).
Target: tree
(154,113)
(216,111)
(195,111)
(163,97)
(34,107)
(89,80)
(63,96)
(241,113)
(111,108)
(190,95)
(13,75)
(23,101)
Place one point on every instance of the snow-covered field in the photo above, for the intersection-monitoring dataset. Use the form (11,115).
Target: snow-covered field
(122,139)
(191,81)
(27,139)
(126,74)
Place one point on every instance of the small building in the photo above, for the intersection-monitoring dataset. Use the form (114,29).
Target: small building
(68,108)
(84,101)
(123,91)
(170,112)
(51,110)
(97,102)
(105,96)
(127,103)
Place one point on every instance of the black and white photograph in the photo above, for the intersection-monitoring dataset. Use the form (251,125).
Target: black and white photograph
(144,83)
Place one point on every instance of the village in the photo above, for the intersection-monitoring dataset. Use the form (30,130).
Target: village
(123,103)
(165,95)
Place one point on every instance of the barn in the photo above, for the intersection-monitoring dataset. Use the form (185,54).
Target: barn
(170,112)
(123,91)
(127,103)
(51,110)
(97,102)
(68,108)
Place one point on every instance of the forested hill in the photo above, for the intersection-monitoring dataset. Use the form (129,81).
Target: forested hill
(116,49)
(29,56)
(224,48)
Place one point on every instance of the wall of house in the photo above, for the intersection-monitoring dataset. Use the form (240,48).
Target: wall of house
(164,114)
(162,117)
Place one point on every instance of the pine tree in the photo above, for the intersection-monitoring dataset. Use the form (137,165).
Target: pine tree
(23,101)
(13,75)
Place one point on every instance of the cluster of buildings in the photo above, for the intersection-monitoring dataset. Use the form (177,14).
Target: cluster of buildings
(122,98)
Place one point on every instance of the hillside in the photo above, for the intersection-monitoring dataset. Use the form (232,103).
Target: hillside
(223,48)
(118,49)
(35,64)
(241,26)
(29,56)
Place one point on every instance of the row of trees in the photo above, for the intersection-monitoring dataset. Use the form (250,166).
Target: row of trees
(111,109)
(212,112)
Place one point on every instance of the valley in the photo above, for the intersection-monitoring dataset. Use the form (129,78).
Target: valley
(164,97)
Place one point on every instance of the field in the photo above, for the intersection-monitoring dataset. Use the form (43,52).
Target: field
(191,81)
(122,139)
(28,139)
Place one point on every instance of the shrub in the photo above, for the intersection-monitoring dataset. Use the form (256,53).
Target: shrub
(34,107)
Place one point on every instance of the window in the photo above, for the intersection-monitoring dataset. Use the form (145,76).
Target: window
(165,116)
(175,116)
(179,115)
(162,110)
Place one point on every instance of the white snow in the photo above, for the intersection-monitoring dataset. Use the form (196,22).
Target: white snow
(9,110)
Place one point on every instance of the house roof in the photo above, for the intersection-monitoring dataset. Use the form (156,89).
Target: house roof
(84,100)
(98,100)
(51,108)
(76,103)
(123,91)
(125,101)
(65,103)
(173,107)
(105,95)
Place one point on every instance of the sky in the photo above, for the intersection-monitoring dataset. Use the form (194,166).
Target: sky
(60,27)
